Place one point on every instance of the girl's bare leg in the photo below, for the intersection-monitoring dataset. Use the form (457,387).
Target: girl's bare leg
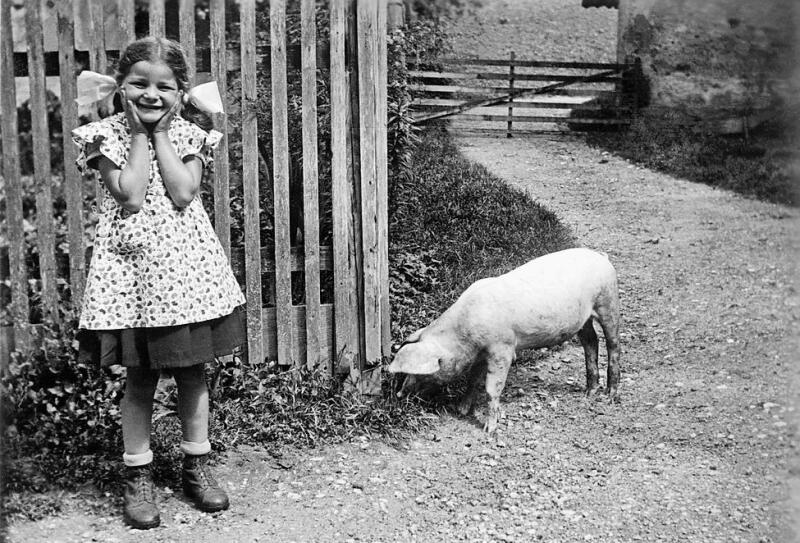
(137,409)
(192,402)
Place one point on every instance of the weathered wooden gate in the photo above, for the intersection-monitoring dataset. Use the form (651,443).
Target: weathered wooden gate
(519,96)
(307,304)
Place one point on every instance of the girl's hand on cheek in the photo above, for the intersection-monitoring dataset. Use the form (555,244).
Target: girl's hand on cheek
(163,123)
(132,114)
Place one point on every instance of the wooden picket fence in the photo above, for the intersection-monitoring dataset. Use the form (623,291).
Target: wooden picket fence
(349,334)
(523,96)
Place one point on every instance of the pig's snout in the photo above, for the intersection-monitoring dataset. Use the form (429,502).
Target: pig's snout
(408,387)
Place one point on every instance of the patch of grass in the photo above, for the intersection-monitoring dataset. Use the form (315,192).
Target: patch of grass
(462,223)
(766,165)
(304,408)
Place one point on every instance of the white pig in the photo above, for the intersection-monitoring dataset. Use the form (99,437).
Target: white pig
(540,304)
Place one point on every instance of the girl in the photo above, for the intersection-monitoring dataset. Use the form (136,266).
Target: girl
(160,293)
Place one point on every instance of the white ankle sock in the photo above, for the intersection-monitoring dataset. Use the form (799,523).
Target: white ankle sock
(140,459)
(195,449)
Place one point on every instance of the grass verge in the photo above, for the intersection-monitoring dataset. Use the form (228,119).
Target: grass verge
(765,165)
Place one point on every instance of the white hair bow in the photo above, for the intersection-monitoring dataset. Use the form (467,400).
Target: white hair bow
(94,87)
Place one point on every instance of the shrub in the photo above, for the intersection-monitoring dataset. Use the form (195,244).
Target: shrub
(61,415)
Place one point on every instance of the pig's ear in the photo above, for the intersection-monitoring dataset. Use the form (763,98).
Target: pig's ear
(413,338)
(415,365)
(429,365)
(416,359)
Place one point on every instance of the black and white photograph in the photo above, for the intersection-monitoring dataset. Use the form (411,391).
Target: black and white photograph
(400,271)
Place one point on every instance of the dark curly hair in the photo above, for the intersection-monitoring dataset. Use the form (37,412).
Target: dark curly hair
(171,54)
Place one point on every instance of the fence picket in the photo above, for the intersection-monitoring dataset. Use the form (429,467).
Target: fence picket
(382,172)
(126,15)
(310,181)
(280,178)
(20,307)
(511,58)
(73,185)
(219,72)
(354,177)
(40,133)
(367,57)
(252,231)
(187,35)
(344,243)
(97,37)
(98,60)
(157,18)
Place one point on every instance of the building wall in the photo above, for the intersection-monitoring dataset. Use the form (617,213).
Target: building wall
(715,59)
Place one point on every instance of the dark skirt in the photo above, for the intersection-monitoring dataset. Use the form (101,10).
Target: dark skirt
(167,346)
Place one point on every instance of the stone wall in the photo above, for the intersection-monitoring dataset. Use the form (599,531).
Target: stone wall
(722,61)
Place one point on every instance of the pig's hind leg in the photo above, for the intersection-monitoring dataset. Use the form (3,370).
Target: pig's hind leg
(609,318)
(588,338)
(498,362)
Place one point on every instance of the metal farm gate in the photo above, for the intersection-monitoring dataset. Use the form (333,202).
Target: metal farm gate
(523,96)
(315,272)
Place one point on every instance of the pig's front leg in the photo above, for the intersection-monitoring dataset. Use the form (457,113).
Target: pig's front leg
(477,377)
(498,362)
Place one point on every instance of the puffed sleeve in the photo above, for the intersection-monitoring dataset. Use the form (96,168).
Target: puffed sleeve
(191,140)
(100,138)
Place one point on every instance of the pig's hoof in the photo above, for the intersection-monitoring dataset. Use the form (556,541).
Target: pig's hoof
(591,392)
(613,396)
(465,407)
(490,426)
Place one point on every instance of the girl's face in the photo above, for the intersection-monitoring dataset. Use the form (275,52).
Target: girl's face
(152,88)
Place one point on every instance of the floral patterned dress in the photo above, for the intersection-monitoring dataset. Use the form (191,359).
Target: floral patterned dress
(161,266)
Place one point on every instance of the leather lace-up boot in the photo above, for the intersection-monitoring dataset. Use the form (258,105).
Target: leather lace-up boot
(140,509)
(199,485)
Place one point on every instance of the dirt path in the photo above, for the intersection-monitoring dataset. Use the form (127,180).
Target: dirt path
(700,449)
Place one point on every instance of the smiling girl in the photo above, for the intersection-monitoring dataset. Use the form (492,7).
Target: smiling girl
(160,293)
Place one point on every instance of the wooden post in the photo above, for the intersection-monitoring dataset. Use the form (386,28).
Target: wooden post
(13,186)
(310,181)
(97,59)
(395,16)
(127,21)
(45,226)
(187,36)
(344,237)
(383,182)
(370,18)
(367,58)
(280,162)
(219,71)
(157,18)
(252,230)
(354,178)
(510,93)
(73,183)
